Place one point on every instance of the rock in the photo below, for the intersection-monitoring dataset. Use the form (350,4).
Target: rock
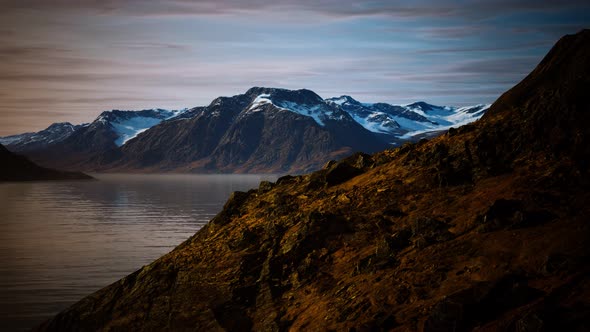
(247,239)
(446,316)
(232,317)
(452,132)
(399,240)
(361,160)
(532,218)
(478,304)
(430,230)
(265,186)
(500,214)
(556,262)
(231,208)
(341,172)
(329,164)
(394,211)
(510,214)
(316,180)
(285,179)
(531,322)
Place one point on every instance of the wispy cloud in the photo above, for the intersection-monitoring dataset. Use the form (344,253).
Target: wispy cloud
(68,60)
(346,8)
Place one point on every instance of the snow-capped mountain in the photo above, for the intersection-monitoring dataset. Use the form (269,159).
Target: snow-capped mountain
(407,121)
(55,133)
(444,117)
(97,142)
(128,124)
(262,130)
(118,126)
(303,102)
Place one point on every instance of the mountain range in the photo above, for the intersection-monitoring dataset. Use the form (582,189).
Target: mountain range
(262,130)
(484,228)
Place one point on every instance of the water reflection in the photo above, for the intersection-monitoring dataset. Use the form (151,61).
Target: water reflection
(60,241)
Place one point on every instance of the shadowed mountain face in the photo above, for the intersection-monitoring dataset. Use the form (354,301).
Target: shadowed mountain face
(484,227)
(93,145)
(263,130)
(53,134)
(18,168)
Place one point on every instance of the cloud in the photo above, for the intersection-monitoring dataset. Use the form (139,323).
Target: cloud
(488,49)
(489,67)
(76,58)
(329,8)
(22,51)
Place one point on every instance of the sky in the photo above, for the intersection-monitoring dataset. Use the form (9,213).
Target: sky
(69,60)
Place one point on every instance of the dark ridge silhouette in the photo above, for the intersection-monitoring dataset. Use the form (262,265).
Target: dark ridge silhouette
(18,168)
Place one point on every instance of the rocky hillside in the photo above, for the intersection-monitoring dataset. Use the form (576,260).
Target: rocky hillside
(482,228)
(18,168)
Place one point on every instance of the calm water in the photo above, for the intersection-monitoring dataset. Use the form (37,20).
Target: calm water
(60,241)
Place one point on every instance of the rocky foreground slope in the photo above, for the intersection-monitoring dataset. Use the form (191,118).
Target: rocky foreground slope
(18,168)
(483,228)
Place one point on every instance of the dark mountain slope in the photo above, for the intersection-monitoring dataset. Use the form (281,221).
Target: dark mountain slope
(280,141)
(178,143)
(96,145)
(18,168)
(483,228)
(53,134)
(551,105)
(263,130)
(87,149)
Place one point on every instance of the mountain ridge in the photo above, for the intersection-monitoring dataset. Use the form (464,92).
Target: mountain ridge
(14,167)
(215,138)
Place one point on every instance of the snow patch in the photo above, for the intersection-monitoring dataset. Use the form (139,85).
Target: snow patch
(130,128)
(313,111)
(318,112)
(262,99)
(127,129)
(339,101)
(459,117)
(10,139)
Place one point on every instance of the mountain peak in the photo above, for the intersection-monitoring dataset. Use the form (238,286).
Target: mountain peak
(344,99)
(301,96)
(304,102)
(59,124)
(423,106)
(563,71)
